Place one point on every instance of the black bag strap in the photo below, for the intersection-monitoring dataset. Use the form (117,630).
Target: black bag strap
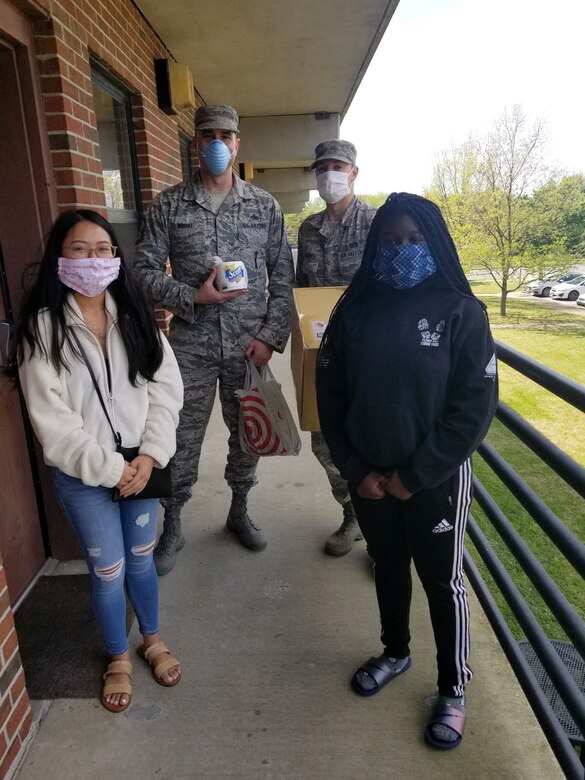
(117,437)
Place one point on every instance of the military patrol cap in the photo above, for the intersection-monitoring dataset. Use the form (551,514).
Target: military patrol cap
(216,117)
(335,149)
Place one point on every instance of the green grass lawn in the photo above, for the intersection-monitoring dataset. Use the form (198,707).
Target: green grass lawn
(521,312)
(483,286)
(564,502)
(540,334)
(564,352)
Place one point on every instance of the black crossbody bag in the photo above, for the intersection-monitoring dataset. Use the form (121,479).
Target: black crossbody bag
(159,483)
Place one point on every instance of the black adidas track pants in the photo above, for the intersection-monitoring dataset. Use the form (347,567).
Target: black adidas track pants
(429,528)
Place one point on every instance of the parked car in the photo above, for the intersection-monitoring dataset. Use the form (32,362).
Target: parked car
(569,291)
(542,287)
(581,299)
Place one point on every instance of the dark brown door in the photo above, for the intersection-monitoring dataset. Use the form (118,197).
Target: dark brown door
(21,537)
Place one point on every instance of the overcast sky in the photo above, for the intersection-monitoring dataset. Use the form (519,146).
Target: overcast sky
(447,68)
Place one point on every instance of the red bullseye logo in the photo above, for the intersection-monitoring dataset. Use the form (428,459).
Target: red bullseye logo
(259,436)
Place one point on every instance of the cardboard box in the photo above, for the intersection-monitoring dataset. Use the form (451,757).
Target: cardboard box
(312,307)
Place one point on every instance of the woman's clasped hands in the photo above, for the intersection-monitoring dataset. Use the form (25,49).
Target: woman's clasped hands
(135,475)
(376,485)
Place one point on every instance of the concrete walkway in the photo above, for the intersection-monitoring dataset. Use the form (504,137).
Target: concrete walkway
(268,643)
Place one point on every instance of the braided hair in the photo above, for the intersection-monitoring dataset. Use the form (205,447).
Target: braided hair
(432,225)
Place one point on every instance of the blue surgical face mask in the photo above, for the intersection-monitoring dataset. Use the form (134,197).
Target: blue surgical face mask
(217,156)
(405,265)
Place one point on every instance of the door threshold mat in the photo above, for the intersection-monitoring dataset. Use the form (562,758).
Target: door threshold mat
(62,651)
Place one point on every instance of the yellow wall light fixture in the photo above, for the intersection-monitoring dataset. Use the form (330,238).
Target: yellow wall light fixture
(174,86)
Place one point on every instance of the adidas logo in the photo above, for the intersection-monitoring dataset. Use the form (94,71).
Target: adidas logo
(490,369)
(441,527)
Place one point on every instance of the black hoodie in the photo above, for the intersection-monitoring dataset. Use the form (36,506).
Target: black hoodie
(409,385)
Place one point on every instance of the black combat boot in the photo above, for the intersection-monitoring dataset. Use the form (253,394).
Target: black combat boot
(170,542)
(239,523)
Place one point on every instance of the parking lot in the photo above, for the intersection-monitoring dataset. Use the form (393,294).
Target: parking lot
(568,307)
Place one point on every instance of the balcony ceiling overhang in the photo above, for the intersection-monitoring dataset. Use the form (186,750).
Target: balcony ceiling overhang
(268,57)
(290,69)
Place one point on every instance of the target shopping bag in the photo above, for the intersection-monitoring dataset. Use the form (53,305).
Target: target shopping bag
(266,424)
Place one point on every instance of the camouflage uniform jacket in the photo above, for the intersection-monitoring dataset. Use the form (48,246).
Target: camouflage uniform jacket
(329,254)
(249,226)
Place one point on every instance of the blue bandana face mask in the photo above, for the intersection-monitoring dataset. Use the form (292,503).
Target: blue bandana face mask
(404,266)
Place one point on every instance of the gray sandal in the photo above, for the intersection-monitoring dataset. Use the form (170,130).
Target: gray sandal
(446,715)
(380,671)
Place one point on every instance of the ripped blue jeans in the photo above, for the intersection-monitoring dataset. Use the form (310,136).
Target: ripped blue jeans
(117,540)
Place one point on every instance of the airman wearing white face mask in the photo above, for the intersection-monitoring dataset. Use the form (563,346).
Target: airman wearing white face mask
(330,250)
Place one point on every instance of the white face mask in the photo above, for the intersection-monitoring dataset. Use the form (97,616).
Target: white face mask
(333,186)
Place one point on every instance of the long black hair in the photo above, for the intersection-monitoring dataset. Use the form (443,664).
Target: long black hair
(136,322)
(432,225)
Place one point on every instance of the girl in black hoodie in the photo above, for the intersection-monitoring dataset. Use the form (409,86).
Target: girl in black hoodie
(406,391)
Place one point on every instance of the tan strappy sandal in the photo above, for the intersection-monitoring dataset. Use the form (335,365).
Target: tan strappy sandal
(150,653)
(109,687)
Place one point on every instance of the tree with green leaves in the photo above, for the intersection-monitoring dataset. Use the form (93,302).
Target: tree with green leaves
(292,222)
(563,206)
(487,189)
(377,199)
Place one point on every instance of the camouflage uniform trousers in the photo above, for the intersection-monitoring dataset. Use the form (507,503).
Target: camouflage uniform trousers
(201,375)
(339,486)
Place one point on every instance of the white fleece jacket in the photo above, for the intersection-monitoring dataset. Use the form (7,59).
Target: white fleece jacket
(66,413)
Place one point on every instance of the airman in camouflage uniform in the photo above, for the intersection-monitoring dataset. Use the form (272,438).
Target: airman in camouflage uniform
(212,332)
(330,248)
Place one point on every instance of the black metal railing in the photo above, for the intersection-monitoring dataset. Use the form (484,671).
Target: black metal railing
(563,688)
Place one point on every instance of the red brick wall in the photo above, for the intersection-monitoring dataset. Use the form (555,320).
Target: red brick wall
(15,710)
(117,35)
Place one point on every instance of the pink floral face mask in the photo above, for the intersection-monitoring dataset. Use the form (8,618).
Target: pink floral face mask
(89,275)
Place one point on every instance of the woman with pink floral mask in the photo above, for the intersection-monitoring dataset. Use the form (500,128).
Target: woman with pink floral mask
(85,311)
